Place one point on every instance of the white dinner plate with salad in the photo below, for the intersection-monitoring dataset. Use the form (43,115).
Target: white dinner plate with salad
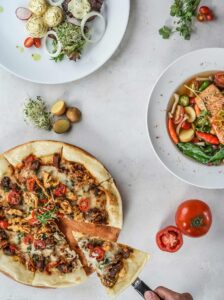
(56,41)
(186,118)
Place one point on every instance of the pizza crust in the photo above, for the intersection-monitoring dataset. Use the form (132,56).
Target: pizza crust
(59,280)
(15,269)
(39,148)
(4,166)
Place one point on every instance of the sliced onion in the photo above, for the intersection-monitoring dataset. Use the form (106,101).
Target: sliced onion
(55,54)
(74,21)
(85,20)
(55,3)
(23,13)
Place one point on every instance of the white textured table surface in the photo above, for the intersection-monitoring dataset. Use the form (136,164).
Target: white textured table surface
(114,104)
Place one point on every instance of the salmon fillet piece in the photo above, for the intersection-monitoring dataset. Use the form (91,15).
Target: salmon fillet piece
(212,100)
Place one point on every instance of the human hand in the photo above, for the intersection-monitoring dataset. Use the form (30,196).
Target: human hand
(166,294)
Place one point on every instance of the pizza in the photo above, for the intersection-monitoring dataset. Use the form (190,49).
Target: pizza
(49,189)
(116,265)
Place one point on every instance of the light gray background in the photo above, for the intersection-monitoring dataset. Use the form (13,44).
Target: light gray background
(114,104)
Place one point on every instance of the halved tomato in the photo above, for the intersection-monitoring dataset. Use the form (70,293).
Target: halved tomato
(97,253)
(169,239)
(194,218)
(28,239)
(39,244)
(14,198)
(4,224)
(84,204)
(219,79)
(60,190)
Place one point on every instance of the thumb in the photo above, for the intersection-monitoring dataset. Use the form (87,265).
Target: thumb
(150,296)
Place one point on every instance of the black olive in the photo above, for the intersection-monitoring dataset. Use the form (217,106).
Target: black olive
(5,182)
(35,165)
(3,235)
(56,160)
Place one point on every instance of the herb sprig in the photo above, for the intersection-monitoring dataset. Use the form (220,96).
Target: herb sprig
(35,112)
(184,11)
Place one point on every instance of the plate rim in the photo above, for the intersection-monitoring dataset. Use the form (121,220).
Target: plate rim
(149,130)
(97,67)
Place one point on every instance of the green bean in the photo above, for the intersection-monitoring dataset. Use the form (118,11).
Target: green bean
(204,85)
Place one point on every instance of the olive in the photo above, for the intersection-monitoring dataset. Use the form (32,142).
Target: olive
(61,126)
(73,114)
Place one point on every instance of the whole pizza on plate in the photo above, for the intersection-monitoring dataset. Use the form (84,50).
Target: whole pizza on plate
(50,194)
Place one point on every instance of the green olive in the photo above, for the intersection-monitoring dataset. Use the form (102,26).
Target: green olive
(73,114)
(61,126)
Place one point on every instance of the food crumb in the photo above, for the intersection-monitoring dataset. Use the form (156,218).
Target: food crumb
(36,57)
(21,49)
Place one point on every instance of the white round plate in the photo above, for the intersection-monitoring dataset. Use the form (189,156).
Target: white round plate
(13,33)
(192,172)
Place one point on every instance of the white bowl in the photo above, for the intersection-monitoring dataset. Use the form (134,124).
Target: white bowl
(13,34)
(186,169)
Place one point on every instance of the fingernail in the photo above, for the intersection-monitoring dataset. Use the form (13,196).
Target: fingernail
(149,295)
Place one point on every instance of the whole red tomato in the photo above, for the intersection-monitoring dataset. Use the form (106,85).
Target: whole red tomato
(194,218)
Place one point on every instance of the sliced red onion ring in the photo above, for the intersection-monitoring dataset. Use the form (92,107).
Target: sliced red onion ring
(56,2)
(55,54)
(85,20)
(23,13)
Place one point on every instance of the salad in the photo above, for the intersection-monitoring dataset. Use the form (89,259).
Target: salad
(195,120)
(62,27)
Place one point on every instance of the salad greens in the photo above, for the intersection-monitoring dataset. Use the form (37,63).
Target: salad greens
(205,155)
(72,41)
(184,11)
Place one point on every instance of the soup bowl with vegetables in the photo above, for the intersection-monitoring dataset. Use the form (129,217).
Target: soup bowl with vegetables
(186,118)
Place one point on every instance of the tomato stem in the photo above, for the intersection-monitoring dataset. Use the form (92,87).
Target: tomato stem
(197,221)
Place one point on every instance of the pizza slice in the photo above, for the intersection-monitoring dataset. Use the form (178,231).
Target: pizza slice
(80,185)
(116,265)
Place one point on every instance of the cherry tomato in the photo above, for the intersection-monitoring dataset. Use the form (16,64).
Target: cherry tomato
(194,218)
(60,190)
(97,253)
(209,17)
(201,18)
(192,100)
(84,204)
(204,10)
(186,125)
(169,239)
(28,239)
(219,79)
(4,224)
(37,42)
(30,184)
(29,42)
(39,244)
(14,198)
